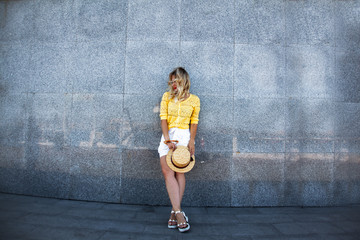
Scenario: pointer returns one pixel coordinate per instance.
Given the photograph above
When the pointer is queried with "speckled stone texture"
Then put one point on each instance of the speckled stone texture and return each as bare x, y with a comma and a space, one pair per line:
308, 179
81, 84
146, 66
155, 20
141, 178
258, 178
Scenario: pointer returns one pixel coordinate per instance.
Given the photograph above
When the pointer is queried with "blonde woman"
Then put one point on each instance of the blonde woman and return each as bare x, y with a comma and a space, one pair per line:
179, 114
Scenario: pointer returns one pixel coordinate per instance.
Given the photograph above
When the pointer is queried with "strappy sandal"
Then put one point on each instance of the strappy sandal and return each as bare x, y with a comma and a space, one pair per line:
181, 224
172, 221
186, 218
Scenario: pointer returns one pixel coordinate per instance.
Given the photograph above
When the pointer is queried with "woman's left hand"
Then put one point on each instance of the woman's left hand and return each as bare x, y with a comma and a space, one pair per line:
191, 147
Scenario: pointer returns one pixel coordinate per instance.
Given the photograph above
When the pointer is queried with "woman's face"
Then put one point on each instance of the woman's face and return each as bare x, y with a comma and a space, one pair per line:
173, 83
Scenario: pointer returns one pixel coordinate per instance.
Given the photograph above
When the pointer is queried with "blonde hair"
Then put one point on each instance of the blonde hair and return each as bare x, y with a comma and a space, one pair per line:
183, 80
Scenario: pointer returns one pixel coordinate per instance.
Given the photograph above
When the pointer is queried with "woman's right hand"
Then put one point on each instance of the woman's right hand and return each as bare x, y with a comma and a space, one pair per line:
171, 145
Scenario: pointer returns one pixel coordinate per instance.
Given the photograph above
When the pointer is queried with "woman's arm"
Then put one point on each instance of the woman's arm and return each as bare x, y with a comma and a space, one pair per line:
165, 131
191, 145
163, 117
194, 123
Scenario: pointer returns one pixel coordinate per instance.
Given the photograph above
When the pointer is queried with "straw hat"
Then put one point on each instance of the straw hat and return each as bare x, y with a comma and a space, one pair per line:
180, 160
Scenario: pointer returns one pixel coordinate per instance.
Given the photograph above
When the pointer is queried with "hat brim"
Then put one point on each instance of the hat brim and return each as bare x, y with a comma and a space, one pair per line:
177, 169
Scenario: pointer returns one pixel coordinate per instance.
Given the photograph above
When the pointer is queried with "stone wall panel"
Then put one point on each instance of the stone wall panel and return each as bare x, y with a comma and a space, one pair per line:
81, 84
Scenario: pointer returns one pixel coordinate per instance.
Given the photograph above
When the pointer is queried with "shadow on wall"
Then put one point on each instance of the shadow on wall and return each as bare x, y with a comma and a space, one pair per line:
44, 173
348, 71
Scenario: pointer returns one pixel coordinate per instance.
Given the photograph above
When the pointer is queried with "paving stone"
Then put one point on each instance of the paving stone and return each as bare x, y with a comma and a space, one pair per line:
232, 211
242, 229
307, 228
7, 215
43, 218
34, 208
289, 237
56, 233
99, 214
121, 235
339, 236
14, 230
349, 226
262, 218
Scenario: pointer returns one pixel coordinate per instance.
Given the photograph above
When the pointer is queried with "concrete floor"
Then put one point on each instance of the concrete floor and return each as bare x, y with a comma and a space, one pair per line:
24, 217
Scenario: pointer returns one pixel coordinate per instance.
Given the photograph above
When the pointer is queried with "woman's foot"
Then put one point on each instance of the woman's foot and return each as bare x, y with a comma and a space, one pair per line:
183, 224
172, 223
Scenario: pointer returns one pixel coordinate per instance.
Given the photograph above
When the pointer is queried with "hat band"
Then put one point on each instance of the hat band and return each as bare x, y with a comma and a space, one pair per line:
191, 159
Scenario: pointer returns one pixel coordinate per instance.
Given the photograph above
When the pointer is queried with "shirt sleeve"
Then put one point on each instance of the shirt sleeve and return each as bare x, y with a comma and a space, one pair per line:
195, 115
164, 106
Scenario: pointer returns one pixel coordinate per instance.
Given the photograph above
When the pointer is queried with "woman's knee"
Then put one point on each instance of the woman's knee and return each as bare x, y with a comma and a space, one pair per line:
168, 173
180, 175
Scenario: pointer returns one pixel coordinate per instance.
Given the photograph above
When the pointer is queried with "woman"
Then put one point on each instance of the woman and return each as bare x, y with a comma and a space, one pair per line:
178, 110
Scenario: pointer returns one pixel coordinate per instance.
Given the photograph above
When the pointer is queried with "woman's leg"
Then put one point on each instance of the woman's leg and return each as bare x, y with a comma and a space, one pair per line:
175, 186
180, 177
172, 185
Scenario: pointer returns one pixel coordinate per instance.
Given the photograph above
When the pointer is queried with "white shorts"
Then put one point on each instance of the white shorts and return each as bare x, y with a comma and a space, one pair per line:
182, 135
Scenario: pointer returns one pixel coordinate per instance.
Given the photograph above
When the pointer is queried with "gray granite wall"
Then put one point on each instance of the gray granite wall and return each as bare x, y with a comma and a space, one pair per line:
81, 82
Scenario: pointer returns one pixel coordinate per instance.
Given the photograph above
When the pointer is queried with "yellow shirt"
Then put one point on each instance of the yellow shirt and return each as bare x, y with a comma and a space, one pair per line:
179, 114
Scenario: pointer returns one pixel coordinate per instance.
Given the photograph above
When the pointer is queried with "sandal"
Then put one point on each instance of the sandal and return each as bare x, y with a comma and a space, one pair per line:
186, 223
186, 218
172, 223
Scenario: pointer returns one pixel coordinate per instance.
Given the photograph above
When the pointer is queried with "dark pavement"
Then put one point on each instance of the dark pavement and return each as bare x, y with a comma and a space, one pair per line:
23, 217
